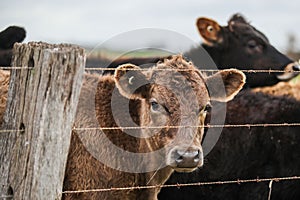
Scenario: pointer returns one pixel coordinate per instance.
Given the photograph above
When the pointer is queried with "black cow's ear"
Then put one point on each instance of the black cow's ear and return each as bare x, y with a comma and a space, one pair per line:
237, 18
131, 81
238, 22
11, 35
225, 84
210, 30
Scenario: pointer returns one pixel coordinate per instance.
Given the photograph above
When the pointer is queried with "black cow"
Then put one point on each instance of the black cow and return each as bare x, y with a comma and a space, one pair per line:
254, 152
240, 45
8, 37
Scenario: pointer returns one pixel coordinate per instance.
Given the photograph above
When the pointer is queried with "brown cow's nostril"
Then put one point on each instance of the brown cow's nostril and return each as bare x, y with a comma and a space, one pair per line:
179, 159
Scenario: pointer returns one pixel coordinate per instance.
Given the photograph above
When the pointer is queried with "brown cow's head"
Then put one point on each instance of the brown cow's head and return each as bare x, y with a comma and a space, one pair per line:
240, 45
175, 100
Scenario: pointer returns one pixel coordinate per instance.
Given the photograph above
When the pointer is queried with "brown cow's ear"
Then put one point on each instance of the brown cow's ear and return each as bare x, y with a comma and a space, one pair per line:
225, 84
210, 30
131, 81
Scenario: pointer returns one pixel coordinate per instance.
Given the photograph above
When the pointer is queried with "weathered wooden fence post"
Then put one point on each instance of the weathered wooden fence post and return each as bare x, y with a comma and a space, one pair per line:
42, 101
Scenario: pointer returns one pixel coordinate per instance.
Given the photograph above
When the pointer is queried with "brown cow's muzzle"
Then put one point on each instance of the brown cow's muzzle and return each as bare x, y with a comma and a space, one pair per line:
291, 70
186, 159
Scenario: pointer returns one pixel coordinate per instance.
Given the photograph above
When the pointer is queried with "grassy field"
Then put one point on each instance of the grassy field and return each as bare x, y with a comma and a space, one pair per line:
108, 53
296, 80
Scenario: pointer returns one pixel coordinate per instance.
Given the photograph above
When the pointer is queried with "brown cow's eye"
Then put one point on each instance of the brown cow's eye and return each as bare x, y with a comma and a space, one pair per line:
154, 106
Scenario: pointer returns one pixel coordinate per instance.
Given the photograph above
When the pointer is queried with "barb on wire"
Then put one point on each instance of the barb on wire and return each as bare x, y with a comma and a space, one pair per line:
257, 180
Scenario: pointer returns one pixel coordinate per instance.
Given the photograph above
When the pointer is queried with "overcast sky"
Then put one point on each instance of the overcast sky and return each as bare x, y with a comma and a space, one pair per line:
94, 21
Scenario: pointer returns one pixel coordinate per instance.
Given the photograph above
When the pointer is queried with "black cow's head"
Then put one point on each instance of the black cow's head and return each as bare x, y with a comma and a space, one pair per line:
8, 37
242, 46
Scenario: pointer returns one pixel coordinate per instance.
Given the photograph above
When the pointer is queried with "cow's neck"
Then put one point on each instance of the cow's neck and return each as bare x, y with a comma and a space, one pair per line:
215, 54
107, 117
154, 178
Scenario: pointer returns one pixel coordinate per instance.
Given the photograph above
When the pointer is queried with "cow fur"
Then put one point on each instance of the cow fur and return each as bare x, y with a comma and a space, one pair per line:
282, 90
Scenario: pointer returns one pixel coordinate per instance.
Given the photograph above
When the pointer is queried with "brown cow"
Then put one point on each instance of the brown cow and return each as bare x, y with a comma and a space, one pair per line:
157, 97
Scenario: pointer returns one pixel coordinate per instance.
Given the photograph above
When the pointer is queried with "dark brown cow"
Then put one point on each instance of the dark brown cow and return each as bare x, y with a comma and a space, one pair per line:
157, 98
8, 37
249, 153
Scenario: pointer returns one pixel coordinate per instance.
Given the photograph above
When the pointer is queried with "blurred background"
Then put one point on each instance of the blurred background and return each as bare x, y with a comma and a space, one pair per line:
92, 22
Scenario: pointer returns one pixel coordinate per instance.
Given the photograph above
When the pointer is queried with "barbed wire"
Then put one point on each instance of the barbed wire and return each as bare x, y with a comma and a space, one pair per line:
200, 126
172, 127
202, 70
238, 181
145, 69
11, 130
11, 67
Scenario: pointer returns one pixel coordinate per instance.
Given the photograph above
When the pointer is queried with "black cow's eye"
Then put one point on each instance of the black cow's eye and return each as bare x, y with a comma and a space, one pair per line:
252, 44
255, 47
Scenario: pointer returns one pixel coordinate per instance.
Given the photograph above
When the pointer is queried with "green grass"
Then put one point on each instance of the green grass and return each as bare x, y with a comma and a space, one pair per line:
296, 80
109, 53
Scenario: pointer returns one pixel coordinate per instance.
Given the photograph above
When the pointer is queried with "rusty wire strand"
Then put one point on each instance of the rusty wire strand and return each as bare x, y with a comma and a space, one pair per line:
201, 126
11, 130
144, 69
174, 127
257, 180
